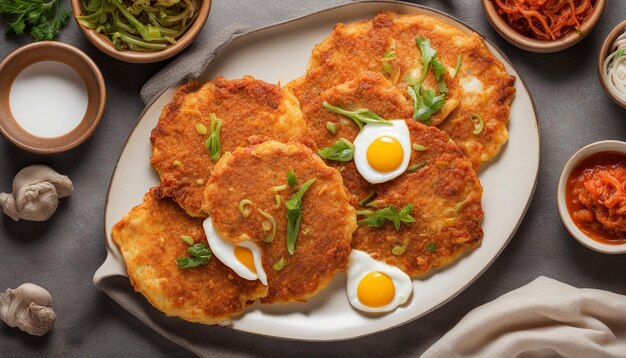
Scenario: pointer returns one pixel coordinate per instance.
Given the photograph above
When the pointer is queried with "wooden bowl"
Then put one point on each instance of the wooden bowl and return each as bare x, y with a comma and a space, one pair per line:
105, 45
534, 45
91, 76
604, 52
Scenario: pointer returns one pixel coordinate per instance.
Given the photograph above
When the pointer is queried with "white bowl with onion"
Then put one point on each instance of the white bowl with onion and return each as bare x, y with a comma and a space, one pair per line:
612, 64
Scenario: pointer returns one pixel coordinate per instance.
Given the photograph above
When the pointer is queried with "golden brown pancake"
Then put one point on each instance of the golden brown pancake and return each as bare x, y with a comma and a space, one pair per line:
446, 195
252, 111
368, 90
149, 237
361, 46
328, 220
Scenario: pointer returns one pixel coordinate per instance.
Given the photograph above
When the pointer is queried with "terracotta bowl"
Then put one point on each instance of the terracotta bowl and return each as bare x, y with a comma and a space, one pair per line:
579, 235
534, 45
106, 46
36, 52
604, 52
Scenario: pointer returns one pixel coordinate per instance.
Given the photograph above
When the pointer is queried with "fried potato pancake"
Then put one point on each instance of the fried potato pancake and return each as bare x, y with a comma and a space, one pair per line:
149, 237
328, 220
368, 90
251, 111
482, 85
446, 195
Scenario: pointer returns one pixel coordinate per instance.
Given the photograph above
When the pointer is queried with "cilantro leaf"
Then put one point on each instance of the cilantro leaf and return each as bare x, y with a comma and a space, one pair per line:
199, 255
390, 213
341, 151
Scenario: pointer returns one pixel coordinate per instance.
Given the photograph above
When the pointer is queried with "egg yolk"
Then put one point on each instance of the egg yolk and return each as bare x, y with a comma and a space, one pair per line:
385, 154
376, 290
244, 255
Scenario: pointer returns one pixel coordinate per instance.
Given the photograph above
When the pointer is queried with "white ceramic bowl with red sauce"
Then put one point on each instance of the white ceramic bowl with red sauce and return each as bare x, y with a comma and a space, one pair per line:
579, 235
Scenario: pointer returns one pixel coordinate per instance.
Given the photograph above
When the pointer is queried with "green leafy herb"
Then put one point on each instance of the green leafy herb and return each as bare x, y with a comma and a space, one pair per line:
279, 264
341, 151
415, 167
212, 143
399, 249
418, 147
431, 247
44, 18
270, 237
392, 214
360, 116
427, 102
367, 199
331, 127
294, 215
199, 254
479, 124
291, 178
459, 62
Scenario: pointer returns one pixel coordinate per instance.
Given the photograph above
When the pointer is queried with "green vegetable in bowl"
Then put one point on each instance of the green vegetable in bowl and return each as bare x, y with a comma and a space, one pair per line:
44, 18
139, 25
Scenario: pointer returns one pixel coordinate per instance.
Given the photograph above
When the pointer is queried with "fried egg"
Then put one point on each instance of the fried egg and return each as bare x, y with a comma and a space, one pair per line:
382, 152
244, 258
374, 286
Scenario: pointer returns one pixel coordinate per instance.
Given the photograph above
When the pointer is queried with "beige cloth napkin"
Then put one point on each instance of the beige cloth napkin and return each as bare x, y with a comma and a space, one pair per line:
545, 318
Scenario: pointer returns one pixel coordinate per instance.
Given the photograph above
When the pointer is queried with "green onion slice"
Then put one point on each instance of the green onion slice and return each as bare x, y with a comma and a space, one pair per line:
294, 215
272, 221
279, 264
245, 212
479, 124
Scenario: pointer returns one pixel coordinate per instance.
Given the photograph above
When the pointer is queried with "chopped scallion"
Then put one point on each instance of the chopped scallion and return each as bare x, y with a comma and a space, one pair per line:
245, 212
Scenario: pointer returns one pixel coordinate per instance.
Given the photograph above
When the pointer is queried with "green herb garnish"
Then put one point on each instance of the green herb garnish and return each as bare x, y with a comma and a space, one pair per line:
360, 116
331, 127
431, 247
415, 167
278, 199
291, 178
479, 124
294, 215
390, 213
245, 212
212, 143
400, 249
427, 102
342, 151
367, 199
199, 255
44, 18
272, 221
459, 62
187, 239
418, 147
279, 264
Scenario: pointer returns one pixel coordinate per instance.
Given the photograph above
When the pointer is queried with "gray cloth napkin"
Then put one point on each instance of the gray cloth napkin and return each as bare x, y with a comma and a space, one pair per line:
545, 318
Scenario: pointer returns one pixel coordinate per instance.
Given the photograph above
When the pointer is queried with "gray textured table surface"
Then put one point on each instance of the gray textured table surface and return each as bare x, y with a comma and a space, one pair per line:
63, 253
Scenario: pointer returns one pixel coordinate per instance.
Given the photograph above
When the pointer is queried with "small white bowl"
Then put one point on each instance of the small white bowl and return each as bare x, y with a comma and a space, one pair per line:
593, 148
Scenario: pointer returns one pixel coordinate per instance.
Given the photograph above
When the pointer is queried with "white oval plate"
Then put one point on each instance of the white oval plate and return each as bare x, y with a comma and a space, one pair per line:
280, 53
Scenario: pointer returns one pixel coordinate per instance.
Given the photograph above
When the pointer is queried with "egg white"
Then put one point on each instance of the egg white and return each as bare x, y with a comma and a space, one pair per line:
225, 252
360, 264
399, 131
